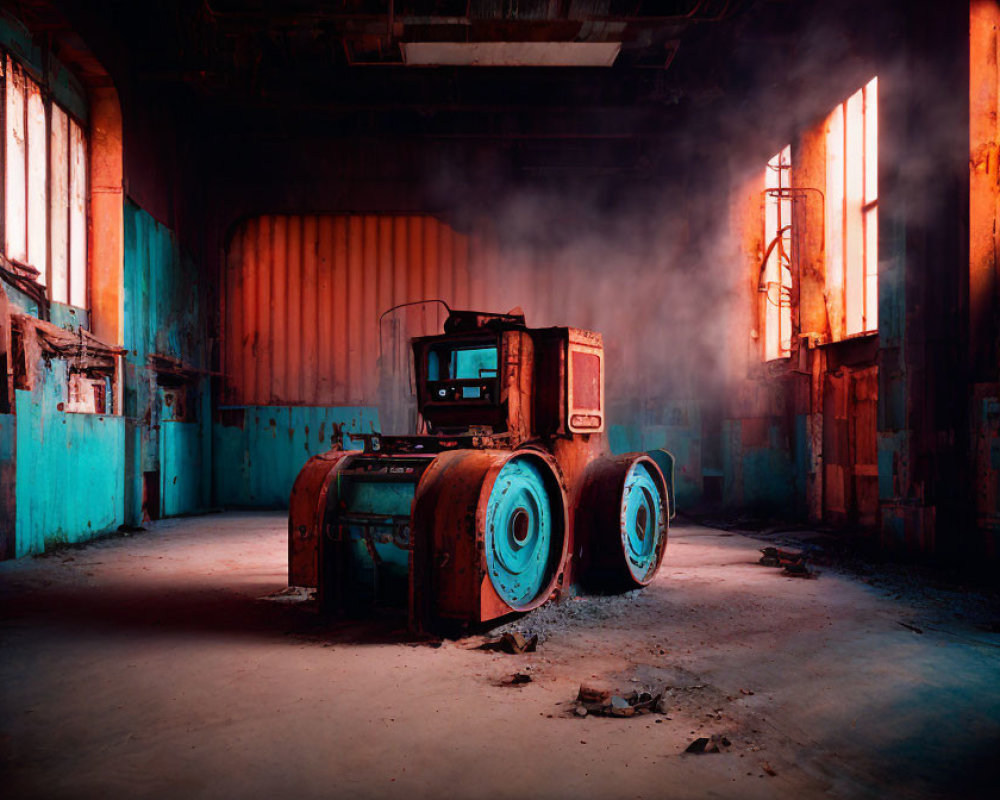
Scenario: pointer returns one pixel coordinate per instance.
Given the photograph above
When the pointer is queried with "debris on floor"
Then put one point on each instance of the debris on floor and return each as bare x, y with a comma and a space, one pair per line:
716, 743
799, 571
768, 768
517, 679
513, 643
794, 564
290, 594
910, 627
775, 557
603, 703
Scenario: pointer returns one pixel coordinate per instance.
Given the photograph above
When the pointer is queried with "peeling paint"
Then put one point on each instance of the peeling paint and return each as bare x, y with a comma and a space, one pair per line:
255, 467
166, 313
74, 457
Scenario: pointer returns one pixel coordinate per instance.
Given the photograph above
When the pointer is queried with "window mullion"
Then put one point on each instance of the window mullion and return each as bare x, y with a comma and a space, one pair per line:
24, 112
3, 150
69, 209
864, 214
48, 195
47, 106
844, 261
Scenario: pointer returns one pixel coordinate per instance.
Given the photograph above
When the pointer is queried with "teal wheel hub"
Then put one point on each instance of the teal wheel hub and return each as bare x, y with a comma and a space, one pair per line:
519, 532
643, 520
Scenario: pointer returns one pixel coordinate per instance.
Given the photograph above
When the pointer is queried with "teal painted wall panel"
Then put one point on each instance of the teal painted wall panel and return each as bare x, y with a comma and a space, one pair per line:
182, 479
801, 462
624, 438
8, 438
759, 478
682, 441
70, 470
892, 448
15, 37
166, 312
64, 85
165, 296
133, 476
768, 481
8, 484
21, 301
732, 463
79, 475
69, 317
685, 445
255, 464
185, 453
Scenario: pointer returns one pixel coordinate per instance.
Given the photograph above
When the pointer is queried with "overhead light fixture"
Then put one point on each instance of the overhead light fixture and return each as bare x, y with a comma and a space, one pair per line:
510, 54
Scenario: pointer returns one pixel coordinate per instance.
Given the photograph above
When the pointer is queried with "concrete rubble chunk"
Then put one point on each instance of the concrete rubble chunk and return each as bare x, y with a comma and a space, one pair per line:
590, 700
716, 743
511, 643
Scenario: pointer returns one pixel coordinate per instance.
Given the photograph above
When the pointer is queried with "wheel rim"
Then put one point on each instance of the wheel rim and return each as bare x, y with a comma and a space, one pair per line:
518, 532
642, 520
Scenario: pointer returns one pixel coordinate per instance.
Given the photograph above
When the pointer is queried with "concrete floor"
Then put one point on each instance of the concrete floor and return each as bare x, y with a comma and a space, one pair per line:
150, 666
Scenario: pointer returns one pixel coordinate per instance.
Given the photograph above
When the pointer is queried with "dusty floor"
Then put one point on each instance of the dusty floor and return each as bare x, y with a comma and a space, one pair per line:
150, 667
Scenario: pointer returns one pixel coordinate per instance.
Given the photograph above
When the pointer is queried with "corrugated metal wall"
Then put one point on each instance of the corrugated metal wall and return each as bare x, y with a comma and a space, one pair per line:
304, 295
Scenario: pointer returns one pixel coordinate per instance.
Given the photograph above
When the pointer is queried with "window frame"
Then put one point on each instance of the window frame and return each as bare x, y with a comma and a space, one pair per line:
777, 241
74, 279
851, 241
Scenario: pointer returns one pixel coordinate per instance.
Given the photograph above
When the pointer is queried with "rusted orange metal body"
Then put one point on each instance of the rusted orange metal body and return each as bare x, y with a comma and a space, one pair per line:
510, 498
306, 511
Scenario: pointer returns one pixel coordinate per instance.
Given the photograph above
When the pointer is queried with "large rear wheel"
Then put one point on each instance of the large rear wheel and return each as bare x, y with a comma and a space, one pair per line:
643, 521
519, 537
623, 518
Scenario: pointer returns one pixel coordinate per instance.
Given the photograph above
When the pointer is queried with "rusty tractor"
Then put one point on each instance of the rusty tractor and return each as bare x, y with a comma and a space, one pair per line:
510, 498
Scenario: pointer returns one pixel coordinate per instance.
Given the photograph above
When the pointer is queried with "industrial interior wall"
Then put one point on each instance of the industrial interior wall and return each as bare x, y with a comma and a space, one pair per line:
892, 432
759, 439
95, 463
304, 354
801, 425
77, 458
984, 280
167, 383
47, 452
304, 295
801, 428
926, 489
304, 348
144, 294
8, 486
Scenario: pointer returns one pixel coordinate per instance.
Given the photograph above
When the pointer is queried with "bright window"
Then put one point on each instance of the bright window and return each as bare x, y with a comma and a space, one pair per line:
44, 187
776, 278
852, 213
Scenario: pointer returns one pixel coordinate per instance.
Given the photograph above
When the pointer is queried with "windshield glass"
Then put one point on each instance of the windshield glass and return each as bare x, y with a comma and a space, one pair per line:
472, 364
463, 364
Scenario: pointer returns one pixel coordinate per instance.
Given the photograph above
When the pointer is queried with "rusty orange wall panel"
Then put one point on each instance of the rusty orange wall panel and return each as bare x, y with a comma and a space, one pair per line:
984, 185
107, 239
304, 294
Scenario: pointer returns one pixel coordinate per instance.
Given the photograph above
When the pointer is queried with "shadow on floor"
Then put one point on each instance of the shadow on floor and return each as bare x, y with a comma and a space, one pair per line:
118, 609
